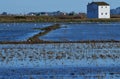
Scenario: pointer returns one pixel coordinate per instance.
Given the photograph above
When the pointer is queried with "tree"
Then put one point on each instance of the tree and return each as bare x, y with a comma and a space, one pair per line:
4, 13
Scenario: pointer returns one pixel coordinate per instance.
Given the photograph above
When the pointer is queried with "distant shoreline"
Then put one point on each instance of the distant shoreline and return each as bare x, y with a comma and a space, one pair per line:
64, 19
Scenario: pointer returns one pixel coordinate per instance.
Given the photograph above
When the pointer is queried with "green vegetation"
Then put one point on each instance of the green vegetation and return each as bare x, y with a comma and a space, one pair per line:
53, 19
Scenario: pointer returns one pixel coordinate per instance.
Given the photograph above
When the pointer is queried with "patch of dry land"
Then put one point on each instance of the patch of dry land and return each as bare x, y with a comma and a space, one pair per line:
60, 61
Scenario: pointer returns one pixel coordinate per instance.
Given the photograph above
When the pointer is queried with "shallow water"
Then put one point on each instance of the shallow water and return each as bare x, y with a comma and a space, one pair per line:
67, 32
19, 31
84, 32
77, 61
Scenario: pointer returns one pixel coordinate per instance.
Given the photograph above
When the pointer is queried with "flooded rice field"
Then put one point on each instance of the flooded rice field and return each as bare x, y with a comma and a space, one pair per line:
67, 32
19, 31
88, 60
84, 32
60, 61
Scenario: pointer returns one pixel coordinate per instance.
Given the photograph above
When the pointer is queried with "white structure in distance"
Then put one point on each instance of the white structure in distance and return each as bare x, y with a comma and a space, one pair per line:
98, 10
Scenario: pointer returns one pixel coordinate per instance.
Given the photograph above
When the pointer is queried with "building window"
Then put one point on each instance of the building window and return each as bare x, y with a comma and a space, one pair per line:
106, 7
105, 13
101, 13
102, 7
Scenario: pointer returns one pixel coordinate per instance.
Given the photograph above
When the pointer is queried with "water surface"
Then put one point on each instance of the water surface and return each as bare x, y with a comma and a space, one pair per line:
84, 32
19, 31
67, 32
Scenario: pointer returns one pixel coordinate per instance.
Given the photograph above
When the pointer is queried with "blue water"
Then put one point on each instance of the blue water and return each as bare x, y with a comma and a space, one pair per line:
85, 32
61, 73
19, 31
67, 32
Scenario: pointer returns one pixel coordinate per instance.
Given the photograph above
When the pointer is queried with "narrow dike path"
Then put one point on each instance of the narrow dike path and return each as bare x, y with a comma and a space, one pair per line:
35, 38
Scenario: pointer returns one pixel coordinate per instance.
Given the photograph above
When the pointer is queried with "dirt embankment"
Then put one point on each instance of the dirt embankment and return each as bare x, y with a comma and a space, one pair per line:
35, 38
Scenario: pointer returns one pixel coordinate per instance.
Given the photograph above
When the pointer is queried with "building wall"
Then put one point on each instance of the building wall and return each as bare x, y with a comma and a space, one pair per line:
95, 11
92, 11
104, 12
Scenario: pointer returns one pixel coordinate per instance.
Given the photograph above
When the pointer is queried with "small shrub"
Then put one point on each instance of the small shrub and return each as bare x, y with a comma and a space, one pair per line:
102, 56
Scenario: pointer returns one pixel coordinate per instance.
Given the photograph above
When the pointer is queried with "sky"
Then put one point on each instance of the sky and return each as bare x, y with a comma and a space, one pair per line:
26, 6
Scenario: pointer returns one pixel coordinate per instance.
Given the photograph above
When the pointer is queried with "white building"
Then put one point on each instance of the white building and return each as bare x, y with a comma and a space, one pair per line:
98, 10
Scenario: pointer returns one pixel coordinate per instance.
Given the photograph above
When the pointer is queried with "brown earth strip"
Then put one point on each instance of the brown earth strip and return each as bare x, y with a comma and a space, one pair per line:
11, 19
51, 42
35, 38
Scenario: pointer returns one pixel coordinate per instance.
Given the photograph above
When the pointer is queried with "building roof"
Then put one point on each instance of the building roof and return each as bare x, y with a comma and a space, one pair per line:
100, 3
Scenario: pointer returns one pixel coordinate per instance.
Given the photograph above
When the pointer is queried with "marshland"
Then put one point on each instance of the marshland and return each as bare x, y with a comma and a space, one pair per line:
60, 50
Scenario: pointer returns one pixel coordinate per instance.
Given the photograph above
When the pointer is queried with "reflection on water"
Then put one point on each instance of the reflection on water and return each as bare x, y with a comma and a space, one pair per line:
67, 32
84, 32
19, 31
